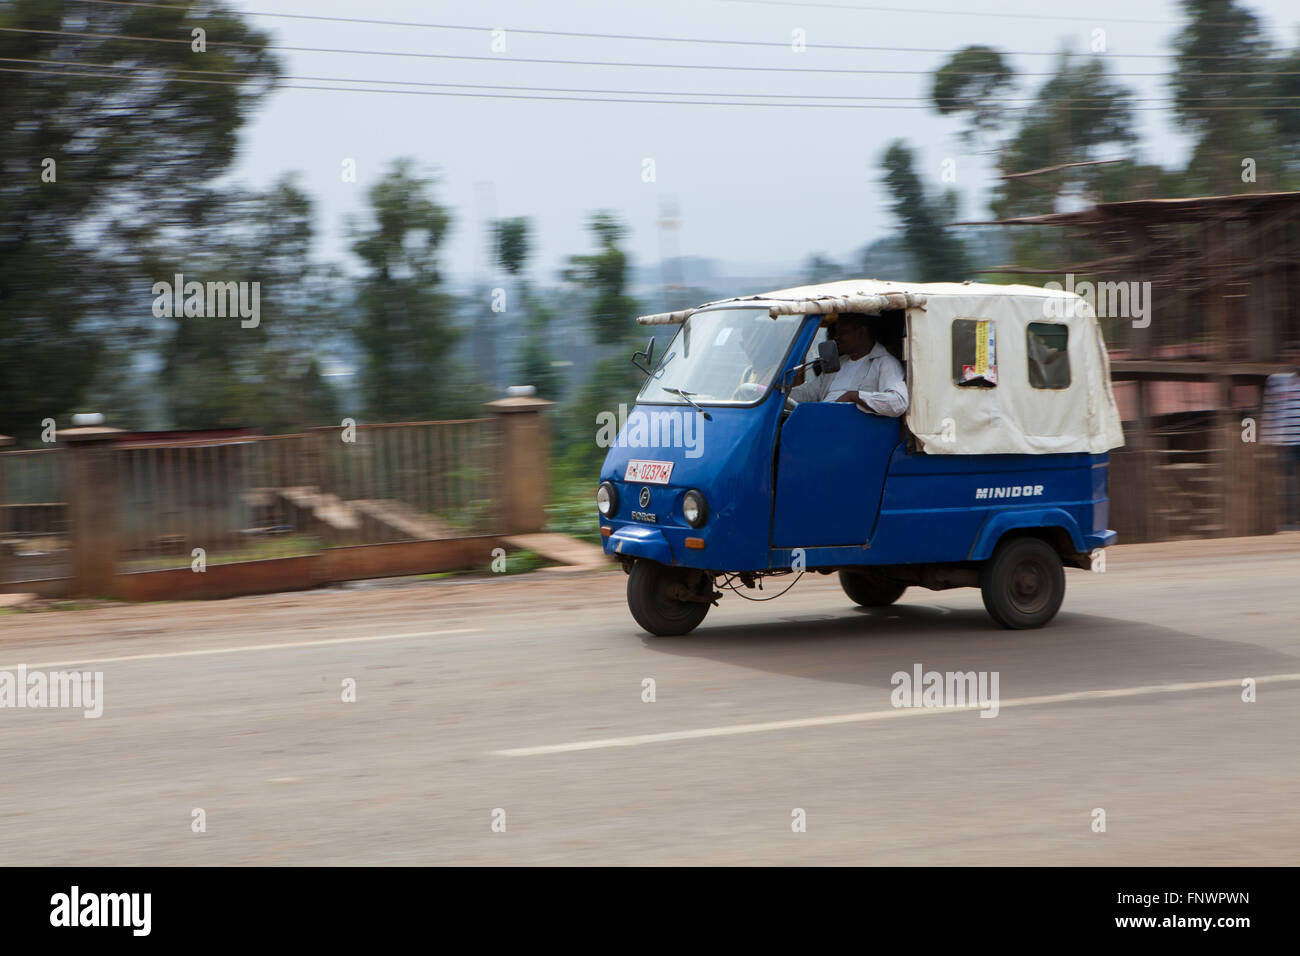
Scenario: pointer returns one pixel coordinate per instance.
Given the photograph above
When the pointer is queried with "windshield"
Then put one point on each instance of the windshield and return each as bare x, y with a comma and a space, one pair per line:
728, 355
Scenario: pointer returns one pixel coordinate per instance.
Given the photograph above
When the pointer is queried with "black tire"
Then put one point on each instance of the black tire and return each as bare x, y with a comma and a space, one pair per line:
654, 608
1023, 584
870, 590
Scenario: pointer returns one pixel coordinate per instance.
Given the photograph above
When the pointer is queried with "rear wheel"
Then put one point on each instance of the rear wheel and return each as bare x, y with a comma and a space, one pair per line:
656, 597
870, 590
1023, 584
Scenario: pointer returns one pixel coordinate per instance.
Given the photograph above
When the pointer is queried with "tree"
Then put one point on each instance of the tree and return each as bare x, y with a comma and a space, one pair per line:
403, 315
1221, 52
514, 247
937, 254
603, 275
819, 268
1222, 90
536, 364
215, 371
1078, 115
92, 167
512, 244
971, 82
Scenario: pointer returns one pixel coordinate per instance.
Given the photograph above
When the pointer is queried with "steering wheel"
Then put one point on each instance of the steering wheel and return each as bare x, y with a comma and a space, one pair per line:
749, 392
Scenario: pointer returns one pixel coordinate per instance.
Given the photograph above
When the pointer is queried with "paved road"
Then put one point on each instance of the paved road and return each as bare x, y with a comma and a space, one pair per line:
235, 707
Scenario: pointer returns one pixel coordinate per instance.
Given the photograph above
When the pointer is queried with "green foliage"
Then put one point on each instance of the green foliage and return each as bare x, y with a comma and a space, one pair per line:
572, 508
128, 153
1227, 93
1078, 113
603, 275
536, 362
613, 381
819, 268
937, 254
971, 82
512, 244
403, 320
216, 373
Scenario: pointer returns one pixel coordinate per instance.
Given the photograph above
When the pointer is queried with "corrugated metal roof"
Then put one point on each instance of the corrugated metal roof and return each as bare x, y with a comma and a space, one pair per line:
1187, 208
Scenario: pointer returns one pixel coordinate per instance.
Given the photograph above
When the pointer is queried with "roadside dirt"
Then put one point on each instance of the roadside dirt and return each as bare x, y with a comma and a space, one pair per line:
392, 602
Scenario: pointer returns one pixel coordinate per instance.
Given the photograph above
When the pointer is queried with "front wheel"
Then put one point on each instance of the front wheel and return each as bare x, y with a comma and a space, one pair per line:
655, 596
869, 590
1023, 584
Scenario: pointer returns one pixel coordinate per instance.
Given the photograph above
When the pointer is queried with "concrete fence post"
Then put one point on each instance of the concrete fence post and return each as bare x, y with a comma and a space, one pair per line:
93, 504
525, 462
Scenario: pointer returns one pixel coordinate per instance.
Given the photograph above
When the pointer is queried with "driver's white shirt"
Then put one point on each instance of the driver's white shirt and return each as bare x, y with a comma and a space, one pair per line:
877, 377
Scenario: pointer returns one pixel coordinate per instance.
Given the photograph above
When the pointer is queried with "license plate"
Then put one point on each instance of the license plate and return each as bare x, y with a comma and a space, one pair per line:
649, 472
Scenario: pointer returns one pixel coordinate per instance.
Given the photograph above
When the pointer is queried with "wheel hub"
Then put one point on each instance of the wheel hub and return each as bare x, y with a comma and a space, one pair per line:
1029, 586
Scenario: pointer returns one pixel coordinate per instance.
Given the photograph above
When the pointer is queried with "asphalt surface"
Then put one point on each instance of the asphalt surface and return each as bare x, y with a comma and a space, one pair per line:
524, 694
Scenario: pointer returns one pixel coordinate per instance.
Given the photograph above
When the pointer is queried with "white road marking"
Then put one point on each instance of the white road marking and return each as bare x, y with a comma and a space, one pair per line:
863, 716
246, 647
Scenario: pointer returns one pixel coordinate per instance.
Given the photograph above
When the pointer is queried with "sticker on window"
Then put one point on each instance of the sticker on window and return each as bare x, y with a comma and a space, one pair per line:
974, 353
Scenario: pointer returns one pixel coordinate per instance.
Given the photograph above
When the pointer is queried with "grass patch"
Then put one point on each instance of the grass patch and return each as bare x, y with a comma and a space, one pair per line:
279, 546
572, 508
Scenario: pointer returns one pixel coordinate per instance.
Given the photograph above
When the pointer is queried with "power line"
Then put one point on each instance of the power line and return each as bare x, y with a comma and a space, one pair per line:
600, 97
658, 66
782, 44
876, 8
1028, 101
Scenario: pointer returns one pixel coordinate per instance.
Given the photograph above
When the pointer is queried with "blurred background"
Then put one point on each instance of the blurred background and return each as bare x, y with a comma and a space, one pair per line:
422, 239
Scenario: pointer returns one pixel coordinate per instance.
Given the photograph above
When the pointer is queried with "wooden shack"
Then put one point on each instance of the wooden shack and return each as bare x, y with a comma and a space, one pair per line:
1222, 313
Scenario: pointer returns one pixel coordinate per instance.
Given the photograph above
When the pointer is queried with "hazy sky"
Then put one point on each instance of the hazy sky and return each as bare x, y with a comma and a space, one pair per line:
753, 184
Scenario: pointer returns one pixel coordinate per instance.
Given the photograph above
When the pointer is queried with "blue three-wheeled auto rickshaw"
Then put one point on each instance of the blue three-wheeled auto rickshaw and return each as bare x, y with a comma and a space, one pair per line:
995, 476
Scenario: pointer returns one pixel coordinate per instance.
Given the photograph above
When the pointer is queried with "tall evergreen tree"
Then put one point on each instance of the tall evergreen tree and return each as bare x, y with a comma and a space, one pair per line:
404, 316
94, 168
936, 252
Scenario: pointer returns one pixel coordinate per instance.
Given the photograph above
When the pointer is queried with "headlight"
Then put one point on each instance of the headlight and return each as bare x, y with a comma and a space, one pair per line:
694, 509
607, 498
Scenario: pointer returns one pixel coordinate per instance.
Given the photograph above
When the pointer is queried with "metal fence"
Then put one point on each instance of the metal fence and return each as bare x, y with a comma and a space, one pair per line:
287, 495
33, 516
252, 498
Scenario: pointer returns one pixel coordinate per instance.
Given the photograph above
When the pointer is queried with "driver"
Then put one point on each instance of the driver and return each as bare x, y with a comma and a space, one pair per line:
869, 376
755, 339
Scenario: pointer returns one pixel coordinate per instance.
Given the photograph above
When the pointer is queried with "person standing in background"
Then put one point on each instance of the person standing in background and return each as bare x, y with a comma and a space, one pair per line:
1280, 426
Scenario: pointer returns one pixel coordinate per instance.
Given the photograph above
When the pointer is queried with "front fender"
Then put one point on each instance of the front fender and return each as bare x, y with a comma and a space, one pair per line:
999, 524
637, 541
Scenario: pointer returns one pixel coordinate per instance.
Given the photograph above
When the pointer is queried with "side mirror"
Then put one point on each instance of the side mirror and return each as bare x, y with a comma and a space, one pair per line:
648, 355
828, 354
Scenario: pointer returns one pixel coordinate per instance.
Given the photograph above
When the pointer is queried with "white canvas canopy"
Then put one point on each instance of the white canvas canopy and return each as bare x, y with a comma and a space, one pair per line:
1017, 397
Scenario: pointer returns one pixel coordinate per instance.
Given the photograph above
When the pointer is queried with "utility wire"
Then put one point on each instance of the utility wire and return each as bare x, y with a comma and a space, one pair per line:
874, 8
782, 44
1027, 101
615, 63
599, 98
